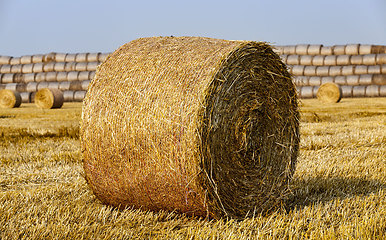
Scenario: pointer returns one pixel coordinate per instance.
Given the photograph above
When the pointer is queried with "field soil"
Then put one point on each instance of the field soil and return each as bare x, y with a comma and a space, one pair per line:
338, 190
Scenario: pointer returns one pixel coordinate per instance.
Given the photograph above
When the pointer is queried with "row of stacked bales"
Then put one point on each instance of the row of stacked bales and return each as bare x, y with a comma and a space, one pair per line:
70, 73
360, 70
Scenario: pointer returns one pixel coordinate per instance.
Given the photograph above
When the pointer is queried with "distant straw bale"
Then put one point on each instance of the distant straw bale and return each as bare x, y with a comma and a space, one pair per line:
48, 98
329, 93
9, 99
201, 126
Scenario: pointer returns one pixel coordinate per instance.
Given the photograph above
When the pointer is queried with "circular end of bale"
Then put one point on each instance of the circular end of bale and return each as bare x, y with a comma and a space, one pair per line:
329, 93
48, 98
9, 99
201, 126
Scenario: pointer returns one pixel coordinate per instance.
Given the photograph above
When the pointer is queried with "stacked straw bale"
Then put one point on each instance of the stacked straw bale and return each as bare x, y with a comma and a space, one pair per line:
43, 70
202, 126
360, 70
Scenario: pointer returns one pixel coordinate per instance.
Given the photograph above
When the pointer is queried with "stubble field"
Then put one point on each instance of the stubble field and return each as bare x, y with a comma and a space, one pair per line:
338, 191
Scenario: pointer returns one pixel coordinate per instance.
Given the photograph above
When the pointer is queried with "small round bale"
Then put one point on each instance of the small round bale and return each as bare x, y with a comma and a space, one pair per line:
329, 93
48, 98
200, 126
9, 99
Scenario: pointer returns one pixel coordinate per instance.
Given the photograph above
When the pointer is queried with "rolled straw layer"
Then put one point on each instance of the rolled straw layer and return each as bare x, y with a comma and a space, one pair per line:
202, 126
9, 98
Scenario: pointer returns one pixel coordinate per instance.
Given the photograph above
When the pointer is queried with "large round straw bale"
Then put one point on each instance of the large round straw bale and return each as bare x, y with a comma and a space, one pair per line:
301, 80
49, 98
51, 76
5, 59
68, 96
329, 93
49, 66
76, 85
54, 85
9, 99
372, 91
59, 66
202, 126
383, 69
84, 76
382, 91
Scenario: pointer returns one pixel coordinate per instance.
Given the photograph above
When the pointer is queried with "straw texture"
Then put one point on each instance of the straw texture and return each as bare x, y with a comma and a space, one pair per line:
329, 93
201, 126
9, 99
49, 98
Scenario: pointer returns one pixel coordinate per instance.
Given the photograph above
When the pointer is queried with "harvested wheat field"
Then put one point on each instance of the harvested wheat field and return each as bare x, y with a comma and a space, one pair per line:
338, 188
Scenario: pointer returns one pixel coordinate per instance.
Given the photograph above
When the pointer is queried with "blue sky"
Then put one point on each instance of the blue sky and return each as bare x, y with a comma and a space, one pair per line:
42, 26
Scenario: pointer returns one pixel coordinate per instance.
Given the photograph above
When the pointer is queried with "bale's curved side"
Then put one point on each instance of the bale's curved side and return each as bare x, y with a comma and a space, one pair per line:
202, 126
48, 98
9, 99
329, 93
